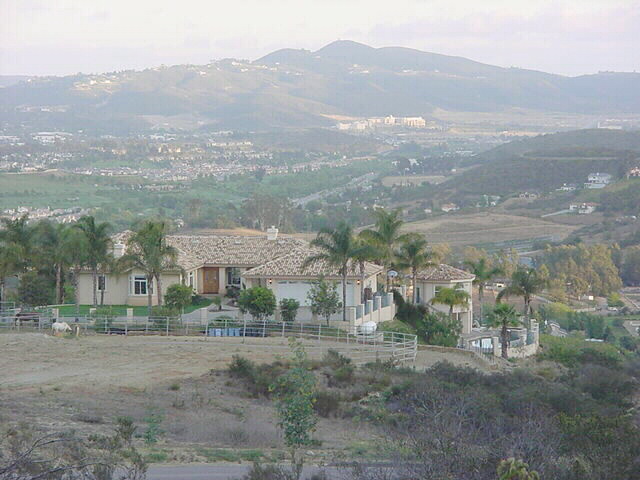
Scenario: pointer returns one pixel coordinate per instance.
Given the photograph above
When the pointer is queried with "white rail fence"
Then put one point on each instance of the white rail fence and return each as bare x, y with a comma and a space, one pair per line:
361, 346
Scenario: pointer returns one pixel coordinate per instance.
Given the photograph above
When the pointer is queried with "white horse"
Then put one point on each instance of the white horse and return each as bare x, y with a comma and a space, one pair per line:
60, 328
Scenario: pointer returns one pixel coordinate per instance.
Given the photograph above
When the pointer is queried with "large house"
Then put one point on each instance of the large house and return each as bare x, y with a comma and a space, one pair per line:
212, 264
598, 180
432, 279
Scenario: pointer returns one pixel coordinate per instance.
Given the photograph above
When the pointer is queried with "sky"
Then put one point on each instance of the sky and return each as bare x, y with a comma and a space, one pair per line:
570, 37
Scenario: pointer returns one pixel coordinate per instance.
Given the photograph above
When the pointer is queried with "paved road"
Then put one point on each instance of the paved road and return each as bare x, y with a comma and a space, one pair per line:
211, 472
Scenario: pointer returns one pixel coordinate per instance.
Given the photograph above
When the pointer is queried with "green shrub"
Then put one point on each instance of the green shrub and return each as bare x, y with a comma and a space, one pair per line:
259, 302
289, 309
178, 296
241, 367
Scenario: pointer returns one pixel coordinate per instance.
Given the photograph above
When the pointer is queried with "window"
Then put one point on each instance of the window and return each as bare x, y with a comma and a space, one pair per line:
191, 279
102, 283
437, 289
233, 276
418, 294
138, 285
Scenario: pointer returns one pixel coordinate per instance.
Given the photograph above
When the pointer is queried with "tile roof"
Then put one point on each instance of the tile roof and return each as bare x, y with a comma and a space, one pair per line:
444, 273
233, 250
290, 265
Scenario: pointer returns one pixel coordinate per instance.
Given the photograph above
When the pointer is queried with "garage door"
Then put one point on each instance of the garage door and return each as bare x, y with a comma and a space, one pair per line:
296, 290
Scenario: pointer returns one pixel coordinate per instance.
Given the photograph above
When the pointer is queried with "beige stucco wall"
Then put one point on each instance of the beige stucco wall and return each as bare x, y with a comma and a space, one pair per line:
428, 291
117, 289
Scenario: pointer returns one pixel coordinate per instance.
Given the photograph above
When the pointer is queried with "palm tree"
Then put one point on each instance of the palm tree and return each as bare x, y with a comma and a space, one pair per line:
98, 244
413, 256
452, 297
148, 251
525, 282
386, 235
17, 235
503, 316
483, 273
366, 251
337, 247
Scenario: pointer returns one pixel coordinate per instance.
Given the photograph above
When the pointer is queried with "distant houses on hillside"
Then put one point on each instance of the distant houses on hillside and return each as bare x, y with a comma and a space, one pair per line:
584, 208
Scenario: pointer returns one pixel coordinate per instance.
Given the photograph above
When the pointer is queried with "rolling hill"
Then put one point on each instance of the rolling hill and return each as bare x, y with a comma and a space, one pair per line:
302, 88
544, 163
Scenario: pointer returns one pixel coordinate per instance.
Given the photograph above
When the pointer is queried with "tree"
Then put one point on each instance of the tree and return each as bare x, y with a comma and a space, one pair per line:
386, 235
436, 328
452, 297
295, 396
10, 261
260, 302
35, 289
513, 469
525, 282
148, 251
483, 273
17, 232
503, 316
324, 300
289, 309
413, 256
178, 296
98, 243
366, 251
337, 247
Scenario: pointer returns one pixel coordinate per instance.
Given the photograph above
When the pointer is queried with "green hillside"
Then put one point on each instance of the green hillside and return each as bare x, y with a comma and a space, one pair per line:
546, 162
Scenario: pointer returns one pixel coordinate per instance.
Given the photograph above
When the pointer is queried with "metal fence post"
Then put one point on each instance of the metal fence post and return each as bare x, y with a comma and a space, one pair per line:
244, 329
167, 322
283, 323
319, 331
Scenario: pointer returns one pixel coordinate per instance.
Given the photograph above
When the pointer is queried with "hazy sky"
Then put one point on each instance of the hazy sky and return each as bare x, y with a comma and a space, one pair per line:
68, 36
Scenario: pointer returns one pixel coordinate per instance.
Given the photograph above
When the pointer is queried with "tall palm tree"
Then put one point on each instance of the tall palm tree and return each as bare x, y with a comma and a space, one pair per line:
365, 251
413, 256
483, 273
18, 234
98, 243
452, 297
337, 247
503, 316
386, 235
525, 282
148, 251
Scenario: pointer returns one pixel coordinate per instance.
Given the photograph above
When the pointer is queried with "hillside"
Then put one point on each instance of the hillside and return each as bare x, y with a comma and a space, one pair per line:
544, 163
300, 88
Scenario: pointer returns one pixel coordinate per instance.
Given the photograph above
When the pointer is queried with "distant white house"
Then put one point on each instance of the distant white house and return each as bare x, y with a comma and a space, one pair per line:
568, 187
449, 207
634, 172
598, 180
584, 208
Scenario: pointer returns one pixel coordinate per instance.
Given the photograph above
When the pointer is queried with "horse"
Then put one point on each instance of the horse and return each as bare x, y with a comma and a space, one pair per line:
60, 328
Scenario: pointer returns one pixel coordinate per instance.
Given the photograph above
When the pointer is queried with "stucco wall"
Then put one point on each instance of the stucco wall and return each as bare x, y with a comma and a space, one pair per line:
117, 289
428, 291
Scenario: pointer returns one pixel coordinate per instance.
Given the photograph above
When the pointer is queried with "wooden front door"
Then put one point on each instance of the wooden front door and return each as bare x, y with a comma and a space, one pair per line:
211, 280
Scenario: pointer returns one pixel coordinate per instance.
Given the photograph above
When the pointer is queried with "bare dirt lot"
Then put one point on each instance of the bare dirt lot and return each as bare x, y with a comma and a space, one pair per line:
472, 229
57, 384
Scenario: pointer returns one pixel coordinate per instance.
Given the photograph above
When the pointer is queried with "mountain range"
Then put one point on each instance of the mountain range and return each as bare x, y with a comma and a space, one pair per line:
302, 88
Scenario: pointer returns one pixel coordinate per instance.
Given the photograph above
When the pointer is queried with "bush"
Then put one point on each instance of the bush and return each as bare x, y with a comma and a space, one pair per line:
289, 309
260, 302
241, 367
572, 351
628, 343
178, 296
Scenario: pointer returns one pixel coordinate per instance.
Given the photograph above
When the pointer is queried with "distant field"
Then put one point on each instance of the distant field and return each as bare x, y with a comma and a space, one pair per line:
486, 228
413, 179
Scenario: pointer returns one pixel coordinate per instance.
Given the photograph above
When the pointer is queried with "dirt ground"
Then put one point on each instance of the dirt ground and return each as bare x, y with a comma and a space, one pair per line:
84, 384
468, 229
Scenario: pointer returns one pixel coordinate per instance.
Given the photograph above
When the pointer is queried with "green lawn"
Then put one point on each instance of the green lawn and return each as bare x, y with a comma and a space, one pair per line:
121, 310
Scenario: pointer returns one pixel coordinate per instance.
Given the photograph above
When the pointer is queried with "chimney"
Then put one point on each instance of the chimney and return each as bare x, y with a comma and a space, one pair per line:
272, 233
118, 249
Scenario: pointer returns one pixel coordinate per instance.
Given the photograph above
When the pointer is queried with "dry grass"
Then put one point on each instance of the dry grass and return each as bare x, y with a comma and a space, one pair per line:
471, 229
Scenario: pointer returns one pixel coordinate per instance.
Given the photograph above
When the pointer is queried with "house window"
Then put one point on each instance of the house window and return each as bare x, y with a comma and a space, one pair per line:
191, 279
233, 276
138, 285
102, 283
437, 289
418, 294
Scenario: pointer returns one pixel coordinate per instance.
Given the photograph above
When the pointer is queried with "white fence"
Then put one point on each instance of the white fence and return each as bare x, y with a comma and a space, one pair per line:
361, 346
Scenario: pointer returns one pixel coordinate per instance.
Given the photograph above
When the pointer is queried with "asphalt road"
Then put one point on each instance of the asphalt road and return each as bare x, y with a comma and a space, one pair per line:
211, 472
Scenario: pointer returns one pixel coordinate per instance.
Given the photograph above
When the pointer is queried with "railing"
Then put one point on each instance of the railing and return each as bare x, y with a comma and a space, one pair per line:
361, 347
